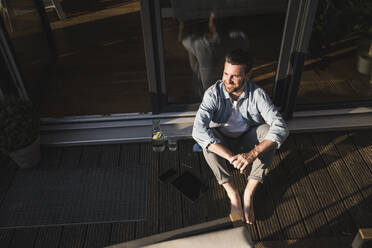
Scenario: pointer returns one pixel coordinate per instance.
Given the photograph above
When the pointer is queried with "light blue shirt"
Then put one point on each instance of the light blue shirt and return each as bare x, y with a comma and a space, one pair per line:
254, 105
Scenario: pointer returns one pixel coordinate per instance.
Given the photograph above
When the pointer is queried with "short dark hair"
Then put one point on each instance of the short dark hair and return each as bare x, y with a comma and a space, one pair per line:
240, 57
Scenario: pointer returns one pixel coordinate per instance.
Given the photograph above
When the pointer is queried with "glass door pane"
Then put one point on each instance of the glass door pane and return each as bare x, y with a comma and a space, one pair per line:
338, 68
101, 66
197, 34
30, 43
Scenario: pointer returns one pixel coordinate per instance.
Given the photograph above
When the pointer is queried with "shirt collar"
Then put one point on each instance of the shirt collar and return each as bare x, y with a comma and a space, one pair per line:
242, 96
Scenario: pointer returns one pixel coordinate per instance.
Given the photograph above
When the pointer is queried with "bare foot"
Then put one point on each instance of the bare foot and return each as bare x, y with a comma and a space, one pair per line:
236, 206
248, 200
248, 209
236, 202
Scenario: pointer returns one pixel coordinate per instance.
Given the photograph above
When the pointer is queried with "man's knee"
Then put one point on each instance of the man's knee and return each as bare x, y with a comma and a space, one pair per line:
259, 171
260, 179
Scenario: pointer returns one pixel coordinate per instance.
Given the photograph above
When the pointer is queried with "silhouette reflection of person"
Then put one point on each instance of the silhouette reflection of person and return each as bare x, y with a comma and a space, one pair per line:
207, 52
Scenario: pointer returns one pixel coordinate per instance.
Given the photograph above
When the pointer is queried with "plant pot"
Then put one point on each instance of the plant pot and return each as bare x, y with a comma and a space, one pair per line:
364, 64
28, 156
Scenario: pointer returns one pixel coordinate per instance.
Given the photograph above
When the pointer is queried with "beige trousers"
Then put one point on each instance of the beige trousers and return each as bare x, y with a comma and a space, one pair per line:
246, 142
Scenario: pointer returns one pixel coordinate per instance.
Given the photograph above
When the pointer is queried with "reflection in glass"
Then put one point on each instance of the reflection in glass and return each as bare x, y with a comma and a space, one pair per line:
101, 66
338, 68
198, 34
207, 51
29, 41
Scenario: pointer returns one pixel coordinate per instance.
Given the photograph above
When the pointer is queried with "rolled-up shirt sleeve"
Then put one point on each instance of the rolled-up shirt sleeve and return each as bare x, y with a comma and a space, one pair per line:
201, 131
278, 131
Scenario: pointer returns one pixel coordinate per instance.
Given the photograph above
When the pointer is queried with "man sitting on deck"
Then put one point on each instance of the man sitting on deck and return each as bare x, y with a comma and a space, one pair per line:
237, 122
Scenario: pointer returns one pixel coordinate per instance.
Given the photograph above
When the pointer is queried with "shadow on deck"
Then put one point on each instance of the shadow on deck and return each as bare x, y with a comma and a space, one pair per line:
318, 187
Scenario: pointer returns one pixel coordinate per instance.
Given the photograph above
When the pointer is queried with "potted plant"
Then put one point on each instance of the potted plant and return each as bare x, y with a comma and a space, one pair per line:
341, 24
365, 51
362, 25
19, 131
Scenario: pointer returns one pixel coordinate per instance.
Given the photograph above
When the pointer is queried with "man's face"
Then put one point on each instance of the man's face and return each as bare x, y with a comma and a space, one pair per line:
234, 77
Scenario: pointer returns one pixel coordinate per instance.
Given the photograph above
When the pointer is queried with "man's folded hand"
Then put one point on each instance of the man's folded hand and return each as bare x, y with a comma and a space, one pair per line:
242, 160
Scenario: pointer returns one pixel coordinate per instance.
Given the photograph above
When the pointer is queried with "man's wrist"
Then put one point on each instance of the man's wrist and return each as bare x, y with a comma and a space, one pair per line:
230, 157
255, 152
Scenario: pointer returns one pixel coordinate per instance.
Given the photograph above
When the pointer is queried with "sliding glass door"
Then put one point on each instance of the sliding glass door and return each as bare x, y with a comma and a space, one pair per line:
159, 56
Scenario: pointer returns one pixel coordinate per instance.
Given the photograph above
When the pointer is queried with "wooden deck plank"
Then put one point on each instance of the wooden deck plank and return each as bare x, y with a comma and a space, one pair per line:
147, 156
170, 207
50, 157
110, 156
130, 153
121, 231
71, 156
7, 170
311, 211
267, 221
24, 237
49, 236
192, 213
345, 185
284, 199
29, 237
364, 144
326, 178
150, 159
91, 156
6, 237
369, 133
74, 235
356, 165
98, 235
336, 213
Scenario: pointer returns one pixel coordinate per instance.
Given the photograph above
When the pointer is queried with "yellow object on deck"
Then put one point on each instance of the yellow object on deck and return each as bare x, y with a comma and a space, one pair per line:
157, 135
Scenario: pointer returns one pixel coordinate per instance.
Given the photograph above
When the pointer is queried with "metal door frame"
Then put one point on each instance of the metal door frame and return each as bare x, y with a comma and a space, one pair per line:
8, 52
296, 37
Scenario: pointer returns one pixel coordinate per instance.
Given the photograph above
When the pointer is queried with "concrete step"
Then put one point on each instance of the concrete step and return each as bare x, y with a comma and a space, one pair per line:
328, 242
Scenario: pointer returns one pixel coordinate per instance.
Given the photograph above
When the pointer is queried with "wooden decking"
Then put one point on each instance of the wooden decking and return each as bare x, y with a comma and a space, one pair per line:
319, 186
